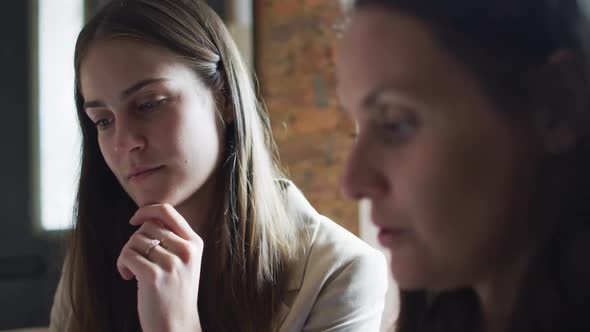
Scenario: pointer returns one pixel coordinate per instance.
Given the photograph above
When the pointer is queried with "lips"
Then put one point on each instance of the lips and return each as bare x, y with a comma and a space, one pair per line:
139, 173
389, 235
391, 238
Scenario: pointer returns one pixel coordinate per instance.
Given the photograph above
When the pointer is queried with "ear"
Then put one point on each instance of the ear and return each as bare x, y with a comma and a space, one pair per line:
562, 101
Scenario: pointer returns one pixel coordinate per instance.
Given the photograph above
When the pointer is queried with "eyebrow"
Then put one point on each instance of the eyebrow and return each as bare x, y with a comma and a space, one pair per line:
372, 99
127, 92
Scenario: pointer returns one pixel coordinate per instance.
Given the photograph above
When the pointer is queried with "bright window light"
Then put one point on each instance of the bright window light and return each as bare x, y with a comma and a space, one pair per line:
60, 22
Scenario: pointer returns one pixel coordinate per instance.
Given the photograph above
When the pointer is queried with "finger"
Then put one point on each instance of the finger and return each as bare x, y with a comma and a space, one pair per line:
169, 241
162, 257
132, 263
125, 272
167, 216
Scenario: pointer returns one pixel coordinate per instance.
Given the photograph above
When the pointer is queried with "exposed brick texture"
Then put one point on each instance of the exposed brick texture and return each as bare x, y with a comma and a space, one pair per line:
294, 46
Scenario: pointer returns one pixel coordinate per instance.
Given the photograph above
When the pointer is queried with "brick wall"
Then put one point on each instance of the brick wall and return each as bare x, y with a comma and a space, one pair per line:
295, 64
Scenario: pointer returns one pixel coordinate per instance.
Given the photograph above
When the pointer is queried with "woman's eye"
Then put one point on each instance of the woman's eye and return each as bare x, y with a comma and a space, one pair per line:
402, 127
102, 124
151, 105
394, 132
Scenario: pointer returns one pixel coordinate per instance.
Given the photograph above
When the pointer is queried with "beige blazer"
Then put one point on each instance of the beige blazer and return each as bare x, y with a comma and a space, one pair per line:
337, 283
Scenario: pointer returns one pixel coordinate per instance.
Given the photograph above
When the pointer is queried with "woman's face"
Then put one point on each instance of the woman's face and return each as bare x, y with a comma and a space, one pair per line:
157, 125
447, 173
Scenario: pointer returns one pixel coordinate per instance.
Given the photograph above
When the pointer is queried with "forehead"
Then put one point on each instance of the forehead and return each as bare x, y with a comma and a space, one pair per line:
118, 63
382, 47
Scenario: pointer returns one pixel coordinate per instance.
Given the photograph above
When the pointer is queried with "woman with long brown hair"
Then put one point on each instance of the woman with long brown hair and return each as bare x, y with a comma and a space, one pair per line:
183, 221
473, 147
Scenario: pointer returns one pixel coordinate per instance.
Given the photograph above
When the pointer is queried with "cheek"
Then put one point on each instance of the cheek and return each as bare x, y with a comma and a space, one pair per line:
453, 190
199, 140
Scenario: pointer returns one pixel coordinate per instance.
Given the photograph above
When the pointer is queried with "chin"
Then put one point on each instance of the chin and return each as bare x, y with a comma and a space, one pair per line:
409, 284
409, 276
413, 280
144, 200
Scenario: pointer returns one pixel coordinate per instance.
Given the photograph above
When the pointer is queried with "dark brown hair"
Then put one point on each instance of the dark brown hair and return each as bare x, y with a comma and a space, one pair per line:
505, 42
253, 240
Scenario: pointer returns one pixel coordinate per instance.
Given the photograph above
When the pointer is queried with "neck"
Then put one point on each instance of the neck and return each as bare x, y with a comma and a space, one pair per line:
199, 209
498, 296
500, 292
500, 289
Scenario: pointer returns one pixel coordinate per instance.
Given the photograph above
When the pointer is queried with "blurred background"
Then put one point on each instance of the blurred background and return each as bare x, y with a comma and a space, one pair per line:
289, 45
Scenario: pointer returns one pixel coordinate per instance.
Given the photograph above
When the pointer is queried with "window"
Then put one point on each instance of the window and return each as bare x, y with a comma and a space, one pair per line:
58, 135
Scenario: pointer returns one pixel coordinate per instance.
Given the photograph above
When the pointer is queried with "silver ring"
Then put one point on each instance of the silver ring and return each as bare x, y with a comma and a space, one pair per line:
153, 243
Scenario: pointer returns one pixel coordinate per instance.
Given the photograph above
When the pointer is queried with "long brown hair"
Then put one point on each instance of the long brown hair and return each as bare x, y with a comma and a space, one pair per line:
504, 42
254, 240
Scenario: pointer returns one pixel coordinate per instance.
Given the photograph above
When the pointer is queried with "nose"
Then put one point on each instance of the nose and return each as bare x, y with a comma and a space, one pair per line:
128, 136
363, 176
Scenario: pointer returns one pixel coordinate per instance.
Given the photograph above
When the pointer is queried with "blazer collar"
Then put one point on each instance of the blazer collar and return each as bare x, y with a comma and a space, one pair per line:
306, 219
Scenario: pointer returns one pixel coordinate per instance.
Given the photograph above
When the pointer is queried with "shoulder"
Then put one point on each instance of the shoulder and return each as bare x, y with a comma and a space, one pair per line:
337, 281
336, 246
329, 251
339, 258
326, 246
